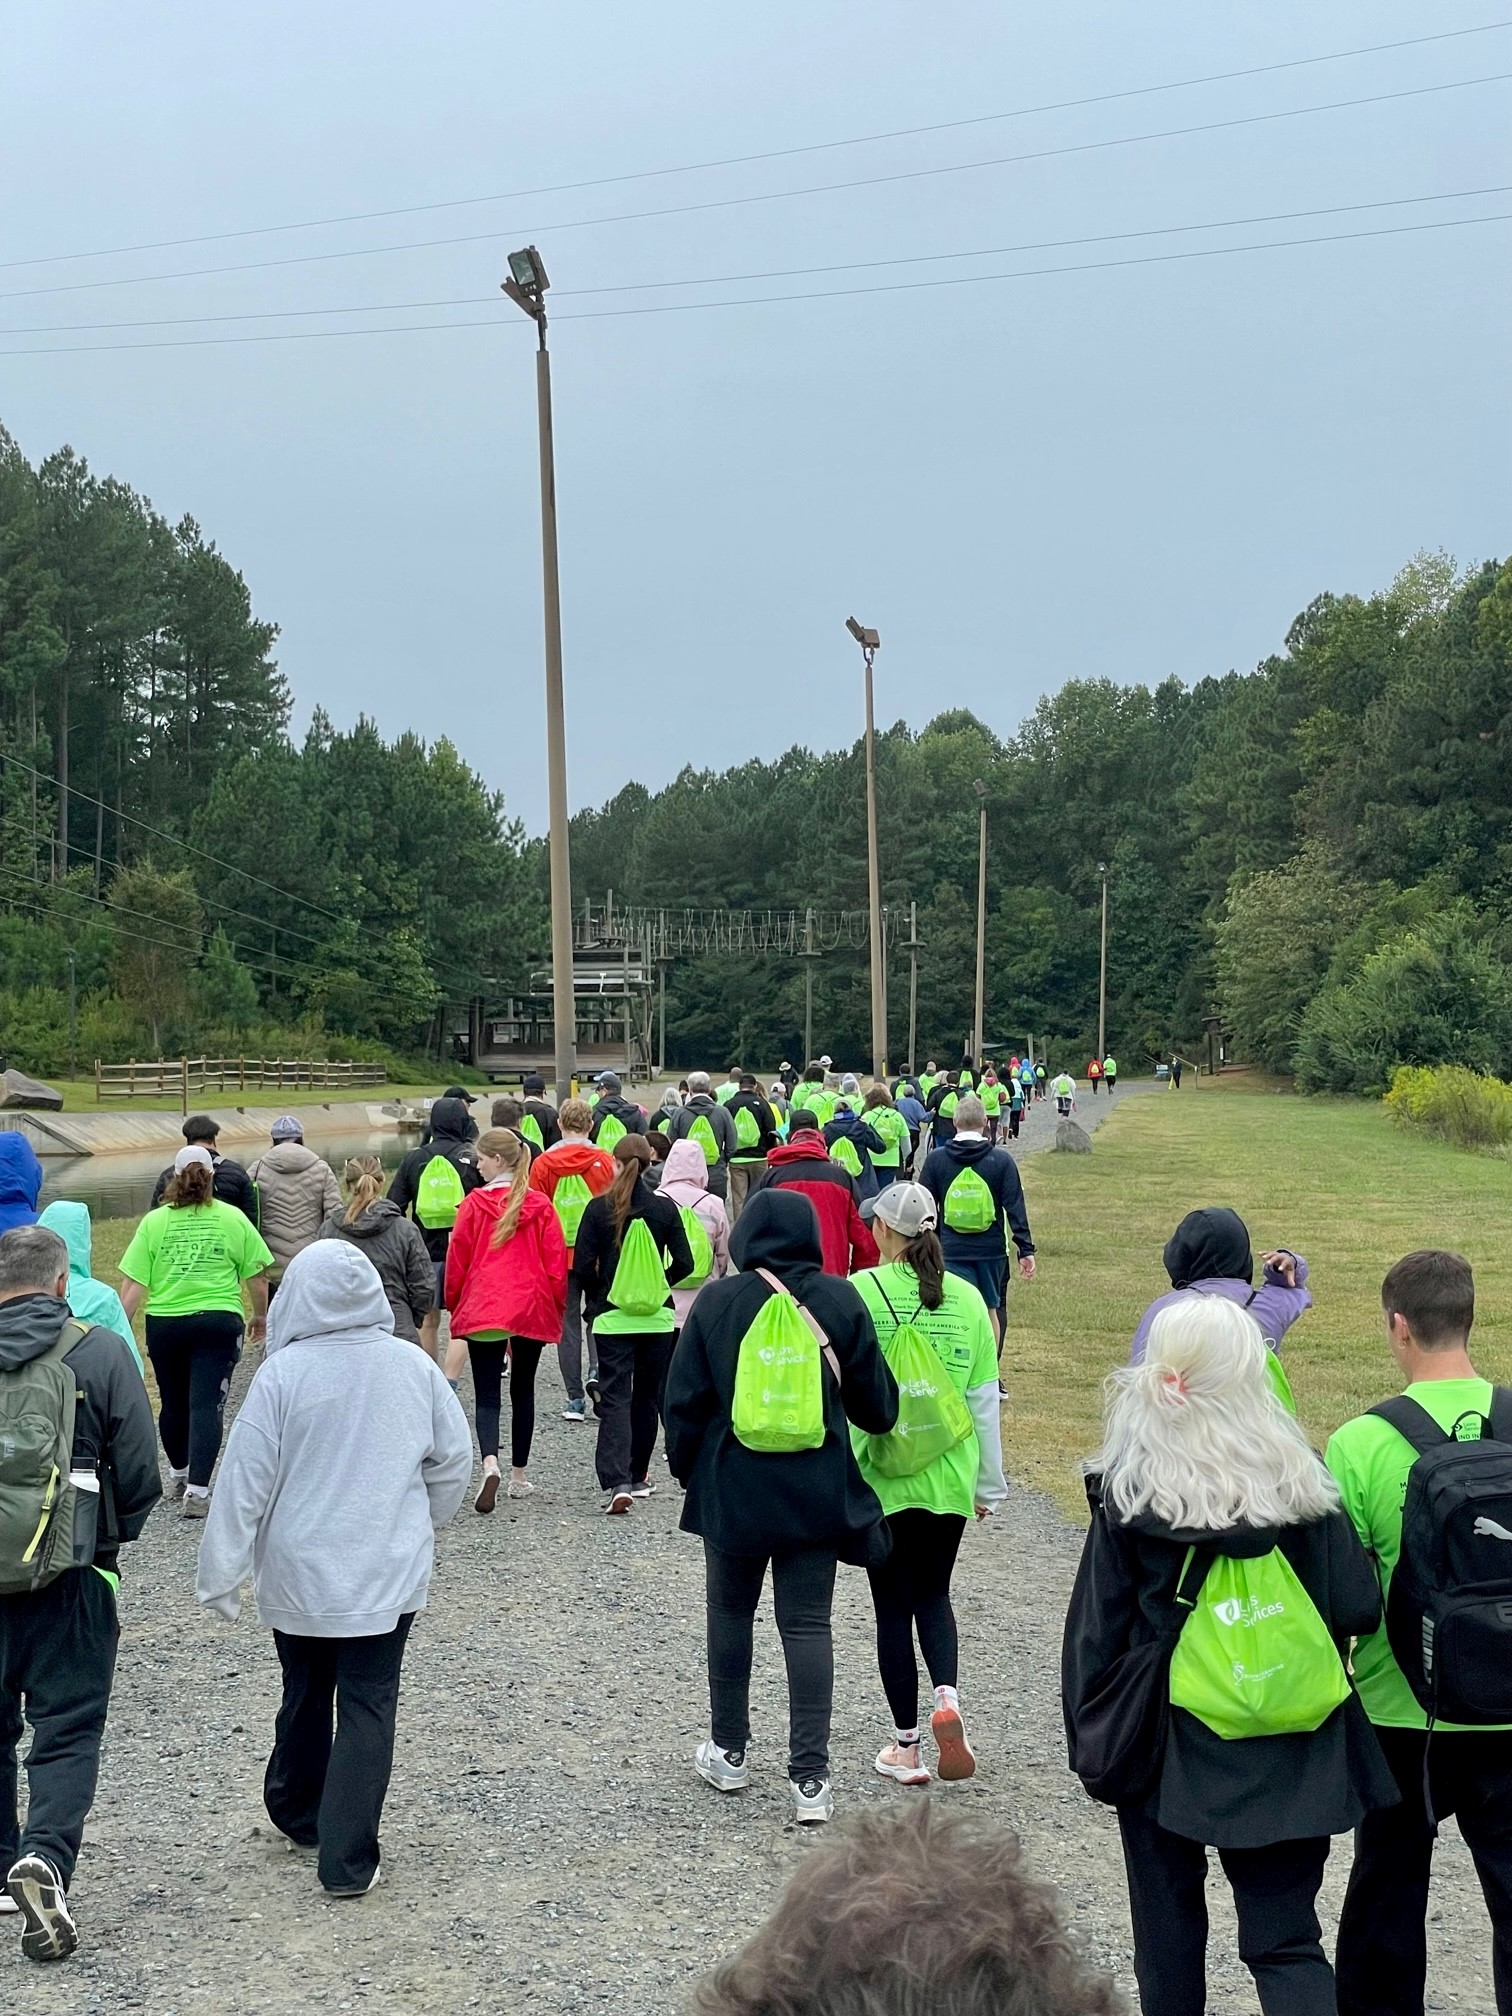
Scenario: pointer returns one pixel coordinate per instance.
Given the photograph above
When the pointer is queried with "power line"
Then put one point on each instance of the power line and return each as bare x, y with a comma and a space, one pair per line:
770, 154
770, 196
210, 902
776, 273
746, 301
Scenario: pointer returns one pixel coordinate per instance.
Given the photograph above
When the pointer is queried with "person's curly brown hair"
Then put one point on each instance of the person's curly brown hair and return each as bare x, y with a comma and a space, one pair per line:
899, 1915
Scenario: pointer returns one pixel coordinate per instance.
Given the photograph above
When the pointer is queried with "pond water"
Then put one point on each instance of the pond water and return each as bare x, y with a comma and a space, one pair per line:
120, 1186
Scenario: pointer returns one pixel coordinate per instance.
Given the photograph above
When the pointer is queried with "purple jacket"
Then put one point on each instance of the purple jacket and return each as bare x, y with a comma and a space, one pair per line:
1274, 1306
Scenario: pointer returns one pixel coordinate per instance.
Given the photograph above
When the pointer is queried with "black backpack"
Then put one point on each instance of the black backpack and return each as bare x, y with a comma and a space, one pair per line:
1449, 1613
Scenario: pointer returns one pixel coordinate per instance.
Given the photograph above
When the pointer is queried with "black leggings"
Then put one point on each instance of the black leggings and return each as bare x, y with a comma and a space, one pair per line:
486, 1356
803, 1594
912, 1589
193, 1358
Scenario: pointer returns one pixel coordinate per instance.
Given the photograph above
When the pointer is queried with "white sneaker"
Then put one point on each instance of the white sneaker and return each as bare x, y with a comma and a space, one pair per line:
893, 1763
725, 1770
36, 1889
813, 1801
9, 1908
521, 1487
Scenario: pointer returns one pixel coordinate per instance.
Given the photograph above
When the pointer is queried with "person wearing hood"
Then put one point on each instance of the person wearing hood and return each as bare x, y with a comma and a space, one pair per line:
394, 1245
232, 1183
846, 1124
612, 1103
58, 1641
799, 1513
20, 1181
701, 1105
749, 1158
802, 1163
633, 1346
1201, 1466
451, 1137
979, 1253
942, 1103
1209, 1254
296, 1192
685, 1183
337, 1532
188, 1261
93, 1302
506, 1288
575, 1156
540, 1109
463, 1098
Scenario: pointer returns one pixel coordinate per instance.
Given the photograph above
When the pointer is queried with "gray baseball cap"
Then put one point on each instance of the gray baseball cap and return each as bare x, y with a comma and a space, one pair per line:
908, 1208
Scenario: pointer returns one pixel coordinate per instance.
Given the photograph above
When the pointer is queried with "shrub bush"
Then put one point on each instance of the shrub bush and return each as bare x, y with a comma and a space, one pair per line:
1466, 1107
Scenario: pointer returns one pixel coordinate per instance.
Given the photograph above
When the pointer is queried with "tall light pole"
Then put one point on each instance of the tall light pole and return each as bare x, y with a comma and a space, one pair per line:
1102, 975
870, 644
526, 287
978, 1033
913, 948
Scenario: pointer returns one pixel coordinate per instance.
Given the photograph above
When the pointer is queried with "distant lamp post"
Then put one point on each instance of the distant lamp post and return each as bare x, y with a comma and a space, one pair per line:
870, 644
978, 1031
1102, 980
526, 287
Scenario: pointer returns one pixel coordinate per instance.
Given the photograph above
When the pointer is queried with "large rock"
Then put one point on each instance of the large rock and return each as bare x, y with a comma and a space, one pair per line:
1071, 1139
16, 1089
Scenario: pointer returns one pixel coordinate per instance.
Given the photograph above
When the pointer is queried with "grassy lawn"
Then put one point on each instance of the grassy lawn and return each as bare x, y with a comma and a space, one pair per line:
1334, 1179
79, 1096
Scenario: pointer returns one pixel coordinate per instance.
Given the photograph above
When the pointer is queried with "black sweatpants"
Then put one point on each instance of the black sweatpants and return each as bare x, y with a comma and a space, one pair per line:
1382, 1950
803, 1595
193, 1358
329, 1793
1275, 1896
911, 1590
486, 1356
632, 1378
57, 1660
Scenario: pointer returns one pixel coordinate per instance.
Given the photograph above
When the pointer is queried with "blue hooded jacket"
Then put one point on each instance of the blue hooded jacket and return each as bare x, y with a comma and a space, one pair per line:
20, 1182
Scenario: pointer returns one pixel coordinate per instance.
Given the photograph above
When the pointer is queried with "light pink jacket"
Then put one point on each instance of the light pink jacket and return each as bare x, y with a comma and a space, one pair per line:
685, 1180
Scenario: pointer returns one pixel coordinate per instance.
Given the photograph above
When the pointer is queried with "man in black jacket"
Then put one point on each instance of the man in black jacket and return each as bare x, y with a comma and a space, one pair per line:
451, 1136
232, 1184
701, 1104
748, 1163
540, 1109
58, 1643
611, 1100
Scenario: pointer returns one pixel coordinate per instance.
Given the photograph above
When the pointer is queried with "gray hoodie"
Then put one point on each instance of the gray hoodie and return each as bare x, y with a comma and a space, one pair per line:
349, 1451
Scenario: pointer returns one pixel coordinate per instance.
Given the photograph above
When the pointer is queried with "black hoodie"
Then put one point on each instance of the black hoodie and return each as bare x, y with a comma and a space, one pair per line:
450, 1123
114, 1436
1211, 1245
741, 1500
1262, 1789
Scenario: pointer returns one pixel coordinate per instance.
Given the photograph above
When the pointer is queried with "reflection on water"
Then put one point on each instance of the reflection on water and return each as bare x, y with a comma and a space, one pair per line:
120, 1186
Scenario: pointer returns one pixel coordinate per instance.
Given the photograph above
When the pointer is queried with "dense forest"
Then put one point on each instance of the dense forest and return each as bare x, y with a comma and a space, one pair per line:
1319, 849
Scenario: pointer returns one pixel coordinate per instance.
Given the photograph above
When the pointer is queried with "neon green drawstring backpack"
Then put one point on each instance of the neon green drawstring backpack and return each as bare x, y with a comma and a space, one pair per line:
571, 1199
613, 1129
438, 1194
703, 1134
638, 1292
932, 1416
1254, 1657
969, 1203
778, 1407
530, 1128
844, 1152
747, 1128
699, 1245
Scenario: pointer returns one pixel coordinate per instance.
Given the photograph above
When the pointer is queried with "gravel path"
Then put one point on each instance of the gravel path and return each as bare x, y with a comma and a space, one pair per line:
547, 1846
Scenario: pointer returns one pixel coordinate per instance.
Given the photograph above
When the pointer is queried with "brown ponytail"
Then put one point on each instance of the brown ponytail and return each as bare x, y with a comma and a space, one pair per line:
507, 1147
193, 1184
633, 1154
925, 1255
363, 1176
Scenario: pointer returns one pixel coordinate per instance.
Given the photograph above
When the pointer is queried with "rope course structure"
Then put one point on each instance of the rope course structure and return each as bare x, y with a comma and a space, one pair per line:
682, 934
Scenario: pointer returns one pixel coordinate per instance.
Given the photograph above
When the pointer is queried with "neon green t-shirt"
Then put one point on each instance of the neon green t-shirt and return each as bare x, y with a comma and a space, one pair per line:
723, 1094
194, 1258
1371, 1462
992, 1099
961, 1332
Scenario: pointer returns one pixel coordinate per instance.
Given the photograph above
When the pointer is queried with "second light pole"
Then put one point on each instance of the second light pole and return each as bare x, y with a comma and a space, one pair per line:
870, 644
978, 1033
1102, 971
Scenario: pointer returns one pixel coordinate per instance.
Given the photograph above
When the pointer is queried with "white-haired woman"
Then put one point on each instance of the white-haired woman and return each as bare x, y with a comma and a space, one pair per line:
1204, 1474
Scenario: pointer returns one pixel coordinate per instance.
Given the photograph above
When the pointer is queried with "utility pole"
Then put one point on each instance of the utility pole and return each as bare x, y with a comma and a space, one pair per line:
870, 643
977, 1031
1102, 979
526, 287
73, 1013
912, 948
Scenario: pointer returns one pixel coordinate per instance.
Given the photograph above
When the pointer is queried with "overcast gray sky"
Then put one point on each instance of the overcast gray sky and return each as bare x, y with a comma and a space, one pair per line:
1133, 472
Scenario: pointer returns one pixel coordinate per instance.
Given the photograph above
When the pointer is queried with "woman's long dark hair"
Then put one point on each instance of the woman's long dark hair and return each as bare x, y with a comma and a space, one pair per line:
926, 1256
193, 1184
633, 1153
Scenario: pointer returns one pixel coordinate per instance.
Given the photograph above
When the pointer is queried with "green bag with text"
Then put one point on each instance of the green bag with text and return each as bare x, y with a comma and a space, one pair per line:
1254, 1657
932, 1416
571, 1199
969, 1203
438, 1194
778, 1407
639, 1287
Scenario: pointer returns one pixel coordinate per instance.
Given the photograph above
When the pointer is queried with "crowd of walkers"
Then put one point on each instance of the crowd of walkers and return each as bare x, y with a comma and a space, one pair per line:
803, 1292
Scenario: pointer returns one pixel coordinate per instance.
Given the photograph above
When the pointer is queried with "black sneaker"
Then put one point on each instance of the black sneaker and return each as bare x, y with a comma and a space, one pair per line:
37, 1890
591, 1388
